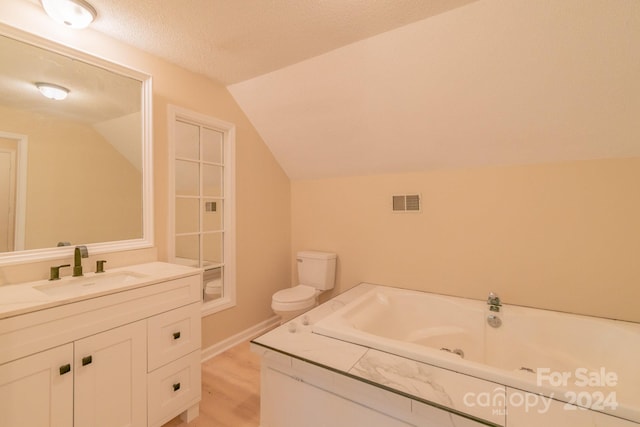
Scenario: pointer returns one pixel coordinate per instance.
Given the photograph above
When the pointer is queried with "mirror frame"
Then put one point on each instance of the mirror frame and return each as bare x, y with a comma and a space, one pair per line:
146, 240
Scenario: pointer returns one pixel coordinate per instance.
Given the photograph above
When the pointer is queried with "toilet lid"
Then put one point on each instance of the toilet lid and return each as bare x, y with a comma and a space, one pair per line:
295, 294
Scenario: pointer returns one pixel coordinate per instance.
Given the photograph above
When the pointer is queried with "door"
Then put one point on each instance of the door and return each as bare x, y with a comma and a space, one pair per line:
13, 190
7, 194
37, 390
110, 378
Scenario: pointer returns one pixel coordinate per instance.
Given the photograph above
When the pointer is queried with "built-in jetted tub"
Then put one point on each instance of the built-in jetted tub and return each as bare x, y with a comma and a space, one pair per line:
587, 361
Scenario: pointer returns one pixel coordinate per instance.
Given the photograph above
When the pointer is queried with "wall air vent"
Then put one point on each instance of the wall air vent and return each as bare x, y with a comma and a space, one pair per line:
406, 203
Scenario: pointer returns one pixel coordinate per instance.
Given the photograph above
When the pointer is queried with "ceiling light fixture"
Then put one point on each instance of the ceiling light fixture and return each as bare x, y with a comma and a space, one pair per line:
52, 91
72, 13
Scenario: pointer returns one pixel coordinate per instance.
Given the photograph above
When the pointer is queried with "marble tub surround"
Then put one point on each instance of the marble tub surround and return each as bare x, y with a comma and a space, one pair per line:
429, 383
576, 359
445, 380
296, 338
426, 385
299, 393
22, 298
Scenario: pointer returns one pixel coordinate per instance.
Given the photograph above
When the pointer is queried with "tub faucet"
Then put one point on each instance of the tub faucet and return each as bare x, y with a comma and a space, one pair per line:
79, 253
494, 302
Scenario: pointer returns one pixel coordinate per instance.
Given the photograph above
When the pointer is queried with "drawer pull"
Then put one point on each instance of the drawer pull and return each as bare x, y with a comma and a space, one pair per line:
176, 387
87, 360
176, 335
64, 369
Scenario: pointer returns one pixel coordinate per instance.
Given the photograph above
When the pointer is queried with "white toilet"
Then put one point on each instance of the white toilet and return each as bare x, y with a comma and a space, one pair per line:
212, 280
316, 273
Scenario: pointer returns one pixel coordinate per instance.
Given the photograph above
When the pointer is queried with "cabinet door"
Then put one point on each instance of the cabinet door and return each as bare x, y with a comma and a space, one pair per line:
37, 390
110, 378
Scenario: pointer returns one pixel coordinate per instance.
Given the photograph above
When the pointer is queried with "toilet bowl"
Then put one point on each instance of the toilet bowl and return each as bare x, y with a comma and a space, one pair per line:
292, 302
212, 280
213, 288
316, 273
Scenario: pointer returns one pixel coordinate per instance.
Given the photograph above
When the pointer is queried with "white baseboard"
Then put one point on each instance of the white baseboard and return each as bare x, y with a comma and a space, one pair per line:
247, 334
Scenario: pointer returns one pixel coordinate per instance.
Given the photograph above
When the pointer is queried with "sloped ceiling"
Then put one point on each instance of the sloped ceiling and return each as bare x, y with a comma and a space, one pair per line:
107, 101
491, 83
362, 87
234, 40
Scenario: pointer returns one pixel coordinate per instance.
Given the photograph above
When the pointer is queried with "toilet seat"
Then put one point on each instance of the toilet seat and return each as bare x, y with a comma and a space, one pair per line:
296, 298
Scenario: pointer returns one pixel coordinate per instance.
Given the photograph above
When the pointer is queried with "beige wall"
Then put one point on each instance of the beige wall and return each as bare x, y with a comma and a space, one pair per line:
262, 189
562, 236
559, 236
80, 189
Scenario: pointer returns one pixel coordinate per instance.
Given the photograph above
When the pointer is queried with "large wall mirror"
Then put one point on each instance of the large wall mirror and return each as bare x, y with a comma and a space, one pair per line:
75, 171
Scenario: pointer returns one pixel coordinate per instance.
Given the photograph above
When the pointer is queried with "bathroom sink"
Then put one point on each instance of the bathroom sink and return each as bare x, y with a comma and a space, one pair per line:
88, 284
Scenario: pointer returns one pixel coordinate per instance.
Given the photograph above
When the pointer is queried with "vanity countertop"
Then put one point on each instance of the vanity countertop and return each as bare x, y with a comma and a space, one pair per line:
38, 295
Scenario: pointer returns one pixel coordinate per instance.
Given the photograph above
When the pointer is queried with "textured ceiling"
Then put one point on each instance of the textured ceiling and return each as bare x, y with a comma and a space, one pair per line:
234, 40
355, 87
97, 95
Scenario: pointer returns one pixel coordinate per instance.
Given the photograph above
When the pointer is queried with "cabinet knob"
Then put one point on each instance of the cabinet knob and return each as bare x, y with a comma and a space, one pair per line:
176, 387
176, 335
87, 360
65, 369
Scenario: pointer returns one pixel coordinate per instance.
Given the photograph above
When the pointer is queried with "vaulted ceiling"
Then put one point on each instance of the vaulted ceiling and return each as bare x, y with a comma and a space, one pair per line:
360, 87
235, 40
491, 83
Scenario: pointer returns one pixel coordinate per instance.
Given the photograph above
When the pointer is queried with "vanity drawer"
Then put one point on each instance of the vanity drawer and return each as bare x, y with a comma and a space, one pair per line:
172, 335
173, 387
39, 330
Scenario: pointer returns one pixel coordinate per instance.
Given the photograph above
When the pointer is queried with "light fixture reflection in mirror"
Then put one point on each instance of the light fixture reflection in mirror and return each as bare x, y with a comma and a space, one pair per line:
72, 13
84, 171
51, 91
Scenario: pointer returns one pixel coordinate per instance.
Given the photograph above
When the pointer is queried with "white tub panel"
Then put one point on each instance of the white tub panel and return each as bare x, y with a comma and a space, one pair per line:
428, 416
524, 413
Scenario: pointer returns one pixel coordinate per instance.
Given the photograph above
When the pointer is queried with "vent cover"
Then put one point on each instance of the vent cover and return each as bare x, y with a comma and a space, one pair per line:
406, 203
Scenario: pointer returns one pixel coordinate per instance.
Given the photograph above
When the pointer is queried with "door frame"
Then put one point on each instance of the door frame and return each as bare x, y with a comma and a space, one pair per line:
175, 114
21, 188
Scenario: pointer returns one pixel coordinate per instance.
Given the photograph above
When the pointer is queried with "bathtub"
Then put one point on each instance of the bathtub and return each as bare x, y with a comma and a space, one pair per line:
589, 362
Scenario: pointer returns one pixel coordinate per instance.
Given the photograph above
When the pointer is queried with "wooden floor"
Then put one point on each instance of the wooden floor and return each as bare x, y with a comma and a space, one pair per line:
230, 391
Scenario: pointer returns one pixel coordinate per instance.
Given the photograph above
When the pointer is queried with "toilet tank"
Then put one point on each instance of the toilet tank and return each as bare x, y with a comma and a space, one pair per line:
317, 269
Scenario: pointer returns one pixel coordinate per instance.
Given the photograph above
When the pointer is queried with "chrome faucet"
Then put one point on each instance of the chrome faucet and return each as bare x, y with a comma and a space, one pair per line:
79, 253
494, 302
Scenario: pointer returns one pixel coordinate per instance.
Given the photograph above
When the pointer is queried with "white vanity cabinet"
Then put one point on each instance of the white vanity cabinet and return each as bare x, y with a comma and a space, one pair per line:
37, 390
173, 342
110, 378
95, 381
129, 358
